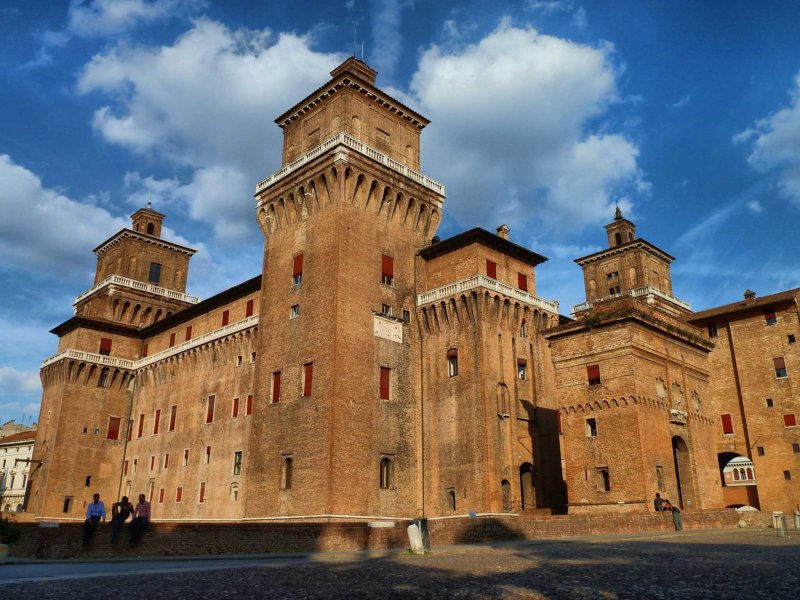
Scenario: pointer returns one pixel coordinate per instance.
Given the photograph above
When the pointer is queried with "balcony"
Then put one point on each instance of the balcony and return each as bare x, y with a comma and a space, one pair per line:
142, 287
342, 139
481, 281
648, 292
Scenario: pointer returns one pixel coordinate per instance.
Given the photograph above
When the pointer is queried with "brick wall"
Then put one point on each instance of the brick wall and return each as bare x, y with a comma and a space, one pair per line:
183, 539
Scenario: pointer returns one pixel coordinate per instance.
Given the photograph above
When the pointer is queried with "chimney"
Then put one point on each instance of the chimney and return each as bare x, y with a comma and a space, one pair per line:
749, 294
502, 231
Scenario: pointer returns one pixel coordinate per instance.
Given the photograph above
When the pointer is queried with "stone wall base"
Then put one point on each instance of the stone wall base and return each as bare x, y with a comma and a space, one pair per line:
194, 539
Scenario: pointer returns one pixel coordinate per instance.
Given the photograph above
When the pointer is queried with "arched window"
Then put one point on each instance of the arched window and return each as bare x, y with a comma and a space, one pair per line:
617, 239
749, 473
452, 362
451, 499
736, 474
506, 488
286, 473
150, 228
102, 381
386, 473
235, 492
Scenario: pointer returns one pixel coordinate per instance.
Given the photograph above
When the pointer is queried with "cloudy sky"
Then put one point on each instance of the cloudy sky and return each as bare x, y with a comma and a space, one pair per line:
545, 114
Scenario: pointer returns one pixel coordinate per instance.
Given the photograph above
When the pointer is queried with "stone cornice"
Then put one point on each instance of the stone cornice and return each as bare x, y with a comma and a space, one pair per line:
638, 244
130, 233
351, 143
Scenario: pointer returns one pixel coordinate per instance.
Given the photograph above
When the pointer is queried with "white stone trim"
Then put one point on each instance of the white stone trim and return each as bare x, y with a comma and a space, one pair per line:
477, 281
141, 286
148, 360
648, 291
343, 139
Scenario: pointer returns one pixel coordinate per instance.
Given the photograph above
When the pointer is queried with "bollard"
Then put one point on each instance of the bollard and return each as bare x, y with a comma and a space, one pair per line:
422, 523
776, 515
797, 521
415, 539
780, 526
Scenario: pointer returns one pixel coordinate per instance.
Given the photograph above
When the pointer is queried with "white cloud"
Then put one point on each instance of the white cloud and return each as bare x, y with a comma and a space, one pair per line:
387, 41
683, 102
775, 145
510, 133
206, 102
45, 229
90, 18
755, 206
579, 18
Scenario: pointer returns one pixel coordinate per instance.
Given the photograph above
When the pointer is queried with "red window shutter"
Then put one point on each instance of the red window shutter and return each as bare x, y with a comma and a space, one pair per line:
770, 316
226, 315
178, 494
173, 414
235, 407
780, 363
249, 309
152, 462
387, 266
452, 353
522, 282
130, 429
166, 460
141, 425
297, 265
790, 420
276, 386
522, 362
161, 496
125, 468
593, 373
144, 350
202, 491
171, 339
491, 269
307, 378
727, 424
156, 421
249, 409
210, 412
105, 346
386, 378
188, 333
113, 428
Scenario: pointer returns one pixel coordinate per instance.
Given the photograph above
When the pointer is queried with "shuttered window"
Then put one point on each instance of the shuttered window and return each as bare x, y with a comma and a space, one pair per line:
113, 428
593, 374
780, 367
105, 346
727, 424
297, 269
385, 382
249, 407
249, 308
188, 334
522, 282
226, 316
308, 374
491, 269
210, 410
156, 421
790, 420
235, 411
276, 386
387, 270
173, 413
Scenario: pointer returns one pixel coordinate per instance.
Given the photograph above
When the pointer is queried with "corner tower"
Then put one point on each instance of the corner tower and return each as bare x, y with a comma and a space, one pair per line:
336, 378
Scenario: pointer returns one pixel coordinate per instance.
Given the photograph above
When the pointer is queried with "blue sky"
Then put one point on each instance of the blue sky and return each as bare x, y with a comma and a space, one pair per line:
545, 114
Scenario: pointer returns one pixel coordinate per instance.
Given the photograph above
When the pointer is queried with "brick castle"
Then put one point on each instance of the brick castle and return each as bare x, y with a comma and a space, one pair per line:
374, 371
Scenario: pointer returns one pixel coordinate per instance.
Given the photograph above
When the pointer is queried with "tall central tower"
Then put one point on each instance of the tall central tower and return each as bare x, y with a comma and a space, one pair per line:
336, 422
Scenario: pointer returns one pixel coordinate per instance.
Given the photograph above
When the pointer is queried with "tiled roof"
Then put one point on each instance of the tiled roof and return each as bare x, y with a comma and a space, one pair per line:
19, 437
746, 304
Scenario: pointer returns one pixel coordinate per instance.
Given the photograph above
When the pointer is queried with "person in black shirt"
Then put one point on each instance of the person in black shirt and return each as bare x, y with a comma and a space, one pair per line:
120, 511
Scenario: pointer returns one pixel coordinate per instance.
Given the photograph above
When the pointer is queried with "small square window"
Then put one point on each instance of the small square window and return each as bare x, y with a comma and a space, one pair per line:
522, 369
787, 475
591, 427
603, 479
790, 338
239, 361
796, 448
294, 312
780, 367
406, 316
769, 403
386, 309
760, 450
770, 317
712, 330
789, 420
593, 374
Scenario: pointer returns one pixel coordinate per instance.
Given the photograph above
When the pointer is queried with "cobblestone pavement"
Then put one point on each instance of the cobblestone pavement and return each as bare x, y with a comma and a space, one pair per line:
709, 564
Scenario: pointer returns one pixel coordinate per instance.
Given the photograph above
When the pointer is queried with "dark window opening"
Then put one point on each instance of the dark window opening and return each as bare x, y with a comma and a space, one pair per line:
790, 338
237, 463
591, 428
150, 229
769, 403
760, 450
452, 362
603, 480
67, 504
451, 499
286, 473
386, 473
102, 381
712, 330
88, 480
787, 475
154, 276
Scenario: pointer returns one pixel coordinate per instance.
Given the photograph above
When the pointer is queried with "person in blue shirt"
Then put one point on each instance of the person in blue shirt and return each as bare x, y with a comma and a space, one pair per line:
94, 513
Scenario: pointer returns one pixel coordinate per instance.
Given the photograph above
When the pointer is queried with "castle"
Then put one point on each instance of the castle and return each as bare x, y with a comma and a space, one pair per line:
374, 371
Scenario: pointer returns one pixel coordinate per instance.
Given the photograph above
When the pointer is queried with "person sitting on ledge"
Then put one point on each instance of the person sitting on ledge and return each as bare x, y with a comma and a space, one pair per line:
141, 517
658, 503
94, 512
120, 511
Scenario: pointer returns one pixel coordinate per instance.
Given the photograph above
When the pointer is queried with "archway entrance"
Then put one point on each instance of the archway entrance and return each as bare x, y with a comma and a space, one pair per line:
683, 472
527, 490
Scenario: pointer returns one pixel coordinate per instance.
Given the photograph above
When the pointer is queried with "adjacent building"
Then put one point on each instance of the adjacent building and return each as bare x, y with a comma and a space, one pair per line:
16, 451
